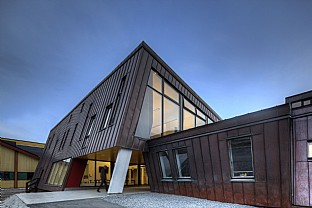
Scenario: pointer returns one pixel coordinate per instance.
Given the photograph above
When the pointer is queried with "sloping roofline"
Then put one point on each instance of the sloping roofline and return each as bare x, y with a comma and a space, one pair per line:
3, 143
153, 53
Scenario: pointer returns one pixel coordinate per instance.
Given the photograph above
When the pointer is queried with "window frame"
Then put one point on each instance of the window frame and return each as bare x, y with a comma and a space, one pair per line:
240, 178
106, 117
179, 176
161, 166
117, 101
182, 103
309, 157
73, 135
89, 130
56, 174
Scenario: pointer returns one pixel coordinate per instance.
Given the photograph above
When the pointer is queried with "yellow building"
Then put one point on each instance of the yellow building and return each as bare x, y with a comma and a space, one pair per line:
18, 161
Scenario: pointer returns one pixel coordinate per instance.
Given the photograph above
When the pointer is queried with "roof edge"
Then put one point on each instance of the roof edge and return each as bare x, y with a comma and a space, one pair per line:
175, 75
3, 143
105, 78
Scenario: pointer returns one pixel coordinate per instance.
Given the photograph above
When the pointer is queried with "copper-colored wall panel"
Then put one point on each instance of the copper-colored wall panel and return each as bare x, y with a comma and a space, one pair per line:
302, 184
210, 164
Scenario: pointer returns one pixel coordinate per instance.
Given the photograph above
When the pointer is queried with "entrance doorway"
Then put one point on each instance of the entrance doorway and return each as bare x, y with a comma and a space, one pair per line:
136, 174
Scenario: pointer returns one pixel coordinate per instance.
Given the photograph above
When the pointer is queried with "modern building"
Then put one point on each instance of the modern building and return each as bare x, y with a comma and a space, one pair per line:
18, 161
149, 127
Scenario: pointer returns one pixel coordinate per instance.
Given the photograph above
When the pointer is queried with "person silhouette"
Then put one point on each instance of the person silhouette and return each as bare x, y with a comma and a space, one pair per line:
103, 178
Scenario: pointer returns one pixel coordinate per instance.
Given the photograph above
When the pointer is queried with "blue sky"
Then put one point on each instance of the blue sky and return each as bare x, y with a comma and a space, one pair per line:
239, 56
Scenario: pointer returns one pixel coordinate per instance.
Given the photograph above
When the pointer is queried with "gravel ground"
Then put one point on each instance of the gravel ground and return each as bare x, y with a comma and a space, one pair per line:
156, 200
131, 200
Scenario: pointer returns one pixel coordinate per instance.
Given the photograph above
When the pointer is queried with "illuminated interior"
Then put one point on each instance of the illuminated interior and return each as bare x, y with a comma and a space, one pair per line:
165, 111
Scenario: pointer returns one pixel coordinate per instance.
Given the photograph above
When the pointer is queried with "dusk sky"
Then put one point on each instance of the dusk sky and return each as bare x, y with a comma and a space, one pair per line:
239, 56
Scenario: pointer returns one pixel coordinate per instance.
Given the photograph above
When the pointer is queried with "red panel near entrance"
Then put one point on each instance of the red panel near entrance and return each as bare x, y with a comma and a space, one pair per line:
76, 173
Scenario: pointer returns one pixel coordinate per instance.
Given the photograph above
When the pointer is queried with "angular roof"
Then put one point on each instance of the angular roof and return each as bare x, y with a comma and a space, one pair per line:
34, 151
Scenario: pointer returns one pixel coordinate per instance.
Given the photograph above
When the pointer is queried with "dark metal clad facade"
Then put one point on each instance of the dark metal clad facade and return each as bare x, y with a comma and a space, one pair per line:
208, 152
150, 61
302, 133
69, 139
93, 105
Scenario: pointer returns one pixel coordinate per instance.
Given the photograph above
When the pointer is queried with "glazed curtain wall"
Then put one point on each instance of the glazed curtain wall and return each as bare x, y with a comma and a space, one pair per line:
58, 172
165, 111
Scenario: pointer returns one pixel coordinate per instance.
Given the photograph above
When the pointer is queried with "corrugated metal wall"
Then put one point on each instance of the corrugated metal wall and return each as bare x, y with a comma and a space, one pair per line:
302, 131
94, 103
209, 160
62, 144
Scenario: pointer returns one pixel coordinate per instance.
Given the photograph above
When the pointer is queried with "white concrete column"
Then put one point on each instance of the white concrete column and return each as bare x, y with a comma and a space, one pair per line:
117, 181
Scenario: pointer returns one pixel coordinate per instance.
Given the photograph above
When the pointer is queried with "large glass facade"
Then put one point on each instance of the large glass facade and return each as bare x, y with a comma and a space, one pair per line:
58, 172
92, 174
165, 111
136, 174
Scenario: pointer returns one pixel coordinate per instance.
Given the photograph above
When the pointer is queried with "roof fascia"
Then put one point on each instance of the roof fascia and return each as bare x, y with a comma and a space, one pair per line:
19, 150
176, 76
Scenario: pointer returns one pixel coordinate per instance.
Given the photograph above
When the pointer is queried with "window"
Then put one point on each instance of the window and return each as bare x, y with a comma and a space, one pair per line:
200, 114
171, 117
82, 106
164, 112
309, 149
150, 122
58, 172
70, 117
307, 102
51, 141
188, 105
84, 124
61, 144
241, 159
164, 164
170, 92
89, 130
188, 119
90, 127
25, 175
71, 140
7, 176
200, 121
200, 118
209, 121
183, 163
296, 104
106, 117
120, 90
64, 139
155, 81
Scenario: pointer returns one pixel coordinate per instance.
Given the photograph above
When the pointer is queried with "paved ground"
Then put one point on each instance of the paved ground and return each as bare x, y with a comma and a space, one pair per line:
94, 203
131, 198
5, 193
58, 196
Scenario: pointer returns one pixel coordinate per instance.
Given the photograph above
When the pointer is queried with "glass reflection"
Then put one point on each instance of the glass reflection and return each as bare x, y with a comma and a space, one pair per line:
171, 117
188, 120
155, 81
199, 121
170, 92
